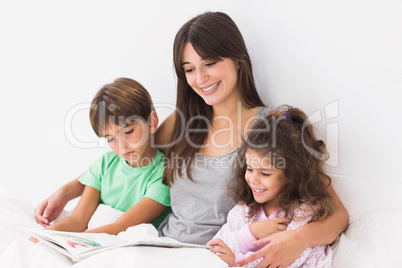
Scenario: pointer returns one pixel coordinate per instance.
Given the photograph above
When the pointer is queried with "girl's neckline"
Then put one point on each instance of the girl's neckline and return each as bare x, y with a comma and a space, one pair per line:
270, 216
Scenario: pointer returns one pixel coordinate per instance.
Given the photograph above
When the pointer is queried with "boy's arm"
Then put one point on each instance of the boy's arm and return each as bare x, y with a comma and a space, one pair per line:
145, 211
164, 133
51, 207
79, 218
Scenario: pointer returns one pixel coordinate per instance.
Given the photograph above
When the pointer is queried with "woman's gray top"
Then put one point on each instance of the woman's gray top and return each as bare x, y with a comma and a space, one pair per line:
200, 207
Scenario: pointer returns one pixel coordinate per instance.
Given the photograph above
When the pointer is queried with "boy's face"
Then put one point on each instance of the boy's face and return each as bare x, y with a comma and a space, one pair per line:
132, 141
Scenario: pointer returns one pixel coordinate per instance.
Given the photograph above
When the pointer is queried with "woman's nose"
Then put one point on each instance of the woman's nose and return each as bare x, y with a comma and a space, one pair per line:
202, 77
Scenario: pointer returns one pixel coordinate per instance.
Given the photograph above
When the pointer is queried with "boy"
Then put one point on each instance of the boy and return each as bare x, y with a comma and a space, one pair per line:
128, 178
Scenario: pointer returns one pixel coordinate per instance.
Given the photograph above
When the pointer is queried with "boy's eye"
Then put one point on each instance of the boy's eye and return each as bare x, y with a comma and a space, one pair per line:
129, 132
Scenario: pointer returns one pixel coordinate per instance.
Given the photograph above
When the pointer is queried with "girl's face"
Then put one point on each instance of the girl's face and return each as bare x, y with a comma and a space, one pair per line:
132, 141
264, 180
214, 81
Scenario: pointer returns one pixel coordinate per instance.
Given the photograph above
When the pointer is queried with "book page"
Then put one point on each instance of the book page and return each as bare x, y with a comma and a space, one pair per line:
77, 243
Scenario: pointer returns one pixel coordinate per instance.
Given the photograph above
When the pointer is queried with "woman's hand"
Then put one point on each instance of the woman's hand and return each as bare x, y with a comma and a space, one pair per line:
222, 251
265, 228
283, 249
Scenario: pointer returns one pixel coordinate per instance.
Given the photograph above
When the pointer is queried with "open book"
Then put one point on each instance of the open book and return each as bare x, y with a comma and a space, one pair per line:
78, 246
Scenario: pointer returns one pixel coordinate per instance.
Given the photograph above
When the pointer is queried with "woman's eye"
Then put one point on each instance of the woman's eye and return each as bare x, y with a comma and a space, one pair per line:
249, 169
210, 64
265, 174
110, 140
188, 70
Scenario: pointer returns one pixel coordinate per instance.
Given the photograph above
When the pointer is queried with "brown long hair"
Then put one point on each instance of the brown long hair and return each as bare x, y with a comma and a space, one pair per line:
287, 138
214, 36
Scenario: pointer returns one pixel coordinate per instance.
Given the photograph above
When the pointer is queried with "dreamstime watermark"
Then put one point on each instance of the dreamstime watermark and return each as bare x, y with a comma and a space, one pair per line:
326, 118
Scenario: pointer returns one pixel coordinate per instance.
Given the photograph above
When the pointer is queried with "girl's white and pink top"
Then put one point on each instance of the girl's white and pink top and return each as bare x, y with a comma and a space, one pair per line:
237, 235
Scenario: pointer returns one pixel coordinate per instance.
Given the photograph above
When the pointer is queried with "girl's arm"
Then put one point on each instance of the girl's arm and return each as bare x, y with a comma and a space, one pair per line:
285, 247
51, 207
79, 218
145, 211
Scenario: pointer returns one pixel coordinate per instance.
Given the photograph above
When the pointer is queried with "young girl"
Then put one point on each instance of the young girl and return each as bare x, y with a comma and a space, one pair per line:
128, 178
280, 183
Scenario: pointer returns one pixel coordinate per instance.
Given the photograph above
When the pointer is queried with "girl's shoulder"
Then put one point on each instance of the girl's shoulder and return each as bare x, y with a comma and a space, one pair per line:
242, 211
239, 210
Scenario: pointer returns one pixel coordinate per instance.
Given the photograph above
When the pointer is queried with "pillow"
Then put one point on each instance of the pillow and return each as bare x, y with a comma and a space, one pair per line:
372, 239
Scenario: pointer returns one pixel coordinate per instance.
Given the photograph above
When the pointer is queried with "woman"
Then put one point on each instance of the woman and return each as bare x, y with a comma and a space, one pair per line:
217, 103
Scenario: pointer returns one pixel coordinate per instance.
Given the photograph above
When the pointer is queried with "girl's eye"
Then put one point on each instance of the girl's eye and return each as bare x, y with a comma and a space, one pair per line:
265, 174
188, 70
210, 64
249, 169
110, 140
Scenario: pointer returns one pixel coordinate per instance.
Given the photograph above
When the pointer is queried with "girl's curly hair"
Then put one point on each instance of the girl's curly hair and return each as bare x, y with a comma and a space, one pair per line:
287, 138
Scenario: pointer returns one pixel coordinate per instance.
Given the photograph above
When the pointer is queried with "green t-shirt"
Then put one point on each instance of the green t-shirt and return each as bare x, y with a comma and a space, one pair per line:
122, 186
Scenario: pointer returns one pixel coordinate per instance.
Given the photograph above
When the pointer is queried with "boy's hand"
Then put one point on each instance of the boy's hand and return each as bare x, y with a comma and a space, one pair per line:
222, 251
49, 209
33, 239
265, 228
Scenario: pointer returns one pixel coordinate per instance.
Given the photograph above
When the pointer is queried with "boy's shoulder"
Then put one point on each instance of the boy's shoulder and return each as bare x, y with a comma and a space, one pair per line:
109, 157
159, 160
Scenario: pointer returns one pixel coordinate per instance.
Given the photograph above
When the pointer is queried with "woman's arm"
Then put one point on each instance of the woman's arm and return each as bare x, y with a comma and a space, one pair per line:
145, 211
51, 207
79, 218
285, 247
164, 133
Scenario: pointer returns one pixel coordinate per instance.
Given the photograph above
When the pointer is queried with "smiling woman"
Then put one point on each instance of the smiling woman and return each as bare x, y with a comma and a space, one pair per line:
214, 80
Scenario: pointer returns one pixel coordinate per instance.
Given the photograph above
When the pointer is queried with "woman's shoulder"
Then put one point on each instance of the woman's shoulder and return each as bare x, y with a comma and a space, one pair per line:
263, 111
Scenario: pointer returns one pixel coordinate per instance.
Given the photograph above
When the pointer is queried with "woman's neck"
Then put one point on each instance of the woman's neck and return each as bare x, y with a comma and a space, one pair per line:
232, 110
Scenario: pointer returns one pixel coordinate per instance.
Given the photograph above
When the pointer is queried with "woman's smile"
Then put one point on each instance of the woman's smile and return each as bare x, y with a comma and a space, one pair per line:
210, 89
214, 80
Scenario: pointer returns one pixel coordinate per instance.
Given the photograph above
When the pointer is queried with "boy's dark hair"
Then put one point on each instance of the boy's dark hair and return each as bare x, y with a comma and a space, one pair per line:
118, 103
287, 138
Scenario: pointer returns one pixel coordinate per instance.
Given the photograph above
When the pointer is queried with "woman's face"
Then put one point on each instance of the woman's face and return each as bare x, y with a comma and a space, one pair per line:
214, 81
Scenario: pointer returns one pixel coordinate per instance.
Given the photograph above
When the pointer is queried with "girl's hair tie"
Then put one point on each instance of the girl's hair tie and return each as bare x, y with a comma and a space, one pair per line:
287, 117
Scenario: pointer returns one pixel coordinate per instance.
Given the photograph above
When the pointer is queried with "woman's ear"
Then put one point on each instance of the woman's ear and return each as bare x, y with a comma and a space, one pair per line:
153, 121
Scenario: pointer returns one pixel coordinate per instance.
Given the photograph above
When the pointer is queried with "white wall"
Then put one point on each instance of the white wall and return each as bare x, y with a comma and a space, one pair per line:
341, 55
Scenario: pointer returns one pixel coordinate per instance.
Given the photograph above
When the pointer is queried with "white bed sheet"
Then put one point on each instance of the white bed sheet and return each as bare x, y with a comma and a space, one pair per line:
16, 251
